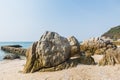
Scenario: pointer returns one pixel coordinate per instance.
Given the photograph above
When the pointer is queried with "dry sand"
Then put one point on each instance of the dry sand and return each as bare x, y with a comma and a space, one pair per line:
11, 70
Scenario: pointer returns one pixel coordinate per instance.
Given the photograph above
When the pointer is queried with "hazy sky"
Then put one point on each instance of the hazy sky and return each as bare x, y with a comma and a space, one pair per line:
26, 20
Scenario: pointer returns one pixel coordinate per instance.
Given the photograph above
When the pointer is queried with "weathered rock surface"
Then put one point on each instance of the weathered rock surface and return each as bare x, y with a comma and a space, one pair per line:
111, 57
96, 46
16, 49
52, 52
11, 56
74, 44
71, 63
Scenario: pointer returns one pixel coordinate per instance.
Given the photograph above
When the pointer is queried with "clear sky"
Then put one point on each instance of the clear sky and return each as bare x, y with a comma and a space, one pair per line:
26, 20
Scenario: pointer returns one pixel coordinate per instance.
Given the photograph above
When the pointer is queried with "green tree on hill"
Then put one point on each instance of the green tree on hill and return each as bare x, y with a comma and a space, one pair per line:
113, 33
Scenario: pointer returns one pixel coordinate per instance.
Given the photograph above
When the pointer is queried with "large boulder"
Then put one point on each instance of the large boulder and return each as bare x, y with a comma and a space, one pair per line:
111, 57
96, 46
75, 46
51, 50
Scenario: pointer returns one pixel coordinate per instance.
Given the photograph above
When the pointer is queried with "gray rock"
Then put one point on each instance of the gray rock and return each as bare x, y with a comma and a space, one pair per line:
11, 56
74, 44
15, 49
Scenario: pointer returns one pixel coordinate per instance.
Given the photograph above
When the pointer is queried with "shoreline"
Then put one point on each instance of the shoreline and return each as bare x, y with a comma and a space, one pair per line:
11, 69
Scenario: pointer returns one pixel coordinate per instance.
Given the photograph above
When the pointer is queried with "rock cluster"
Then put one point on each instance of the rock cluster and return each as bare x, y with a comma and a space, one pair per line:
96, 46
53, 52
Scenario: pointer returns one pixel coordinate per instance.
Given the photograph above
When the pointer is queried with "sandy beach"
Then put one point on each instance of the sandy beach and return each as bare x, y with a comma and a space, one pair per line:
11, 70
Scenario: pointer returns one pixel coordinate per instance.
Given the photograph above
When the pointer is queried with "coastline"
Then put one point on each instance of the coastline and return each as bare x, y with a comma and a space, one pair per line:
12, 69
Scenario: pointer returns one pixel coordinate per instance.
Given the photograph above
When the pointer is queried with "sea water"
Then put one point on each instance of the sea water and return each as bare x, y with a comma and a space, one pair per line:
23, 44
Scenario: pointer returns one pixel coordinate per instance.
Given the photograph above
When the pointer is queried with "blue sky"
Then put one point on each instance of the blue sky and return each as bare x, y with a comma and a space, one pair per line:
27, 20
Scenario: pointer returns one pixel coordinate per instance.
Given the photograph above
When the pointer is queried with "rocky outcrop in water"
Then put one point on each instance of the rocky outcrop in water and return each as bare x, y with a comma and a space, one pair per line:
11, 57
96, 46
16, 49
53, 52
